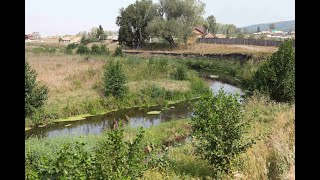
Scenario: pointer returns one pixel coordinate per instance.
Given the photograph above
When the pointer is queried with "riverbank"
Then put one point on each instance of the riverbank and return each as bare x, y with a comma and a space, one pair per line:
76, 85
272, 125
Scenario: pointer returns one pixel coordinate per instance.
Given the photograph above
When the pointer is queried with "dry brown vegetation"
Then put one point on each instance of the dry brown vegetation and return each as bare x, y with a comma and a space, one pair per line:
219, 49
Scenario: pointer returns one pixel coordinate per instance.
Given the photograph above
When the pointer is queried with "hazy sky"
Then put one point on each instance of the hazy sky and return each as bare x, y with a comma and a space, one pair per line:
51, 17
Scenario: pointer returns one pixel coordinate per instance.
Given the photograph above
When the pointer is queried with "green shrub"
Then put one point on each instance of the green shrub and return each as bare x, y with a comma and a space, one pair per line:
277, 76
82, 49
118, 51
180, 73
35, 95
72, 46
121, 160
104, 50
218, 127
115, 80
95, 49
68, 51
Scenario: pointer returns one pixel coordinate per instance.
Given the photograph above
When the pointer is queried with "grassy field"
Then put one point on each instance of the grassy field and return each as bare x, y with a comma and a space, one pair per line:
75, 83
270, 158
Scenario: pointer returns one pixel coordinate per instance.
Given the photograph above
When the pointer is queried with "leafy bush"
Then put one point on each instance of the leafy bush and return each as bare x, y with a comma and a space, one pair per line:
277, 76
115, 80
121, 160
35, 95
180, 73
218, 127
118, 51
72, 46
108, 158
104, 50
82, 49
95, 49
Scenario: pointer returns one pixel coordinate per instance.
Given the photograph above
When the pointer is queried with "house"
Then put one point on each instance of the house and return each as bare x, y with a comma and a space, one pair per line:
199, 31
64, 40
28, 37
220, 36
277, 33
208, 35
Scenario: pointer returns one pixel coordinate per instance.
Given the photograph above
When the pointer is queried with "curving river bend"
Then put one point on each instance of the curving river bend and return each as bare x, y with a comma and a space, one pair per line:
134, 117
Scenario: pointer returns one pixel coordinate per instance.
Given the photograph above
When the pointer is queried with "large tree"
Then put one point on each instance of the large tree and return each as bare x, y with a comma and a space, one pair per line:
133, 21
211, 21
230, 30
176, 19
100, 33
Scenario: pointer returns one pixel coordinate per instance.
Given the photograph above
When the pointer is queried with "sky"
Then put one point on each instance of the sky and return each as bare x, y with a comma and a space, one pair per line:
59, 17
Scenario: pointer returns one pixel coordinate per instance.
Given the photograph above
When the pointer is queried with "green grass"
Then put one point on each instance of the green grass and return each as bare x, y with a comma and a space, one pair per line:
272, 126
76, 85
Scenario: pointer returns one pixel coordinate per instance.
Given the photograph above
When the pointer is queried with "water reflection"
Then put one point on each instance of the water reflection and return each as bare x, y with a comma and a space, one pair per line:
134, 117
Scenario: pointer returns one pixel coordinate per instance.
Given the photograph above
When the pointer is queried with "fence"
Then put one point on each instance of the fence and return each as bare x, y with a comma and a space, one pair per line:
257, 42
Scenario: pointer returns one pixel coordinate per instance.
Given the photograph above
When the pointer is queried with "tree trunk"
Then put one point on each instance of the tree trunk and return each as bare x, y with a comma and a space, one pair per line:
170, 40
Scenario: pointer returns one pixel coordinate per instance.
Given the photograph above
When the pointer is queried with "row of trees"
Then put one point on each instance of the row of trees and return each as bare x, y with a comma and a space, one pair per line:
169, 19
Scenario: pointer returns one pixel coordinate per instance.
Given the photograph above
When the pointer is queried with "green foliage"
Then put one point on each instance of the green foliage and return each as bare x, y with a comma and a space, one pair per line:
180, 73
48, 50
133, 21
218, 127
82, 49
72, 46
277, 76
211, 21
99, 50
104, 50
118, 51
95, 49
176, 19
277, 165
121, 160
35, 94
115, 80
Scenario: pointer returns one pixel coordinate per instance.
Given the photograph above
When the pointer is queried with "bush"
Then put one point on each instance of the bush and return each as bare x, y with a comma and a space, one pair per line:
218, 127
82, 49
118, 51
35, 95
95, 49
115, 80
107, 158
277, 76
72, 46
104, 50
121, 160
180, 73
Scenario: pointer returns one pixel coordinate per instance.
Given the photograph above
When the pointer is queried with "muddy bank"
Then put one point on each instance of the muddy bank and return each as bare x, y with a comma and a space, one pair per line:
239, 56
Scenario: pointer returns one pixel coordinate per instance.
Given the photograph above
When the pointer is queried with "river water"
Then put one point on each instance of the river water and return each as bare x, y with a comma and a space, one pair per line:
134, 117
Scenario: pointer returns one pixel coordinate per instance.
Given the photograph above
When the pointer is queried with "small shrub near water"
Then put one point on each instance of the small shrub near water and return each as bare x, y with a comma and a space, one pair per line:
277, 76
35, 94
82, 49
115, 80
118, 51
110, 158
180, 73
219, 127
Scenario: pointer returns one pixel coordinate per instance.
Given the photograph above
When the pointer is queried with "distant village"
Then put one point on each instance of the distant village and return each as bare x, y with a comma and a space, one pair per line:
199, 32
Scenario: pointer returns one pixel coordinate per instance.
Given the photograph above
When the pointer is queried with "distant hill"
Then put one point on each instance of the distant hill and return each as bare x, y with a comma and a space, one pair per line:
282, 26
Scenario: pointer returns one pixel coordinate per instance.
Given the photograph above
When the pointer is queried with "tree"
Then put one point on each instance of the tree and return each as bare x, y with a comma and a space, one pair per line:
176, 19
211, 21
218, 128
100, 33
133, 22
258, 29
277, 76
230, 30
114, 80
272, 26
35, 94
